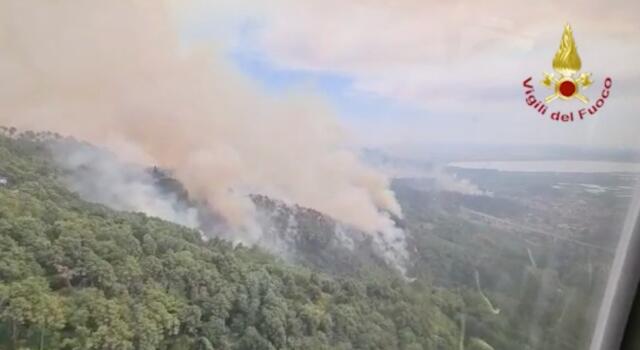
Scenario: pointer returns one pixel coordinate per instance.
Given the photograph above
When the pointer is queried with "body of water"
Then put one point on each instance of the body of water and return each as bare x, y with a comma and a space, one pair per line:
554, 166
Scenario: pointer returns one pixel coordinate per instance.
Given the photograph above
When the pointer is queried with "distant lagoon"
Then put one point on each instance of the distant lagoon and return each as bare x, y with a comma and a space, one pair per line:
552, 166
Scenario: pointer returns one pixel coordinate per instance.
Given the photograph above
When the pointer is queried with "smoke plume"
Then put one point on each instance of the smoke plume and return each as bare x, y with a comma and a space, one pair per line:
446, 181
114, 73
100, 177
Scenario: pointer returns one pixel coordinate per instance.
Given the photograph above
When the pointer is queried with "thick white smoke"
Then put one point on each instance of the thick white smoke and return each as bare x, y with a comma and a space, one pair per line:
114, 73
446, 181
99, 177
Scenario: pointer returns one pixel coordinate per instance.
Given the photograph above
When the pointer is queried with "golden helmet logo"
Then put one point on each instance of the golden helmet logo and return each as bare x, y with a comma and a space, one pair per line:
567, 83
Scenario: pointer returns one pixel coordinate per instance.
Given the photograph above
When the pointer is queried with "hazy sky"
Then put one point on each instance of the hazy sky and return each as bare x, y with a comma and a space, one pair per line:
410, 71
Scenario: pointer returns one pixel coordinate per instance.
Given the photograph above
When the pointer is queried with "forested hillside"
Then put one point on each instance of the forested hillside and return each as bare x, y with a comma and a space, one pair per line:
76, 275
79, 275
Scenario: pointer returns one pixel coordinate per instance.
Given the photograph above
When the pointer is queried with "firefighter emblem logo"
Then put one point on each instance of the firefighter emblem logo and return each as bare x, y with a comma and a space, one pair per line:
567, 82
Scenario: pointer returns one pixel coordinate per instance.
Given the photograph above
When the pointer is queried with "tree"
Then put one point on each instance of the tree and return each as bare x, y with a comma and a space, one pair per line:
30, 303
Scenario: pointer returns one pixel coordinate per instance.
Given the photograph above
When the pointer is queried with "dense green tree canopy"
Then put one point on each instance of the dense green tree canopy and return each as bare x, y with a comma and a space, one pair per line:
76, 275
